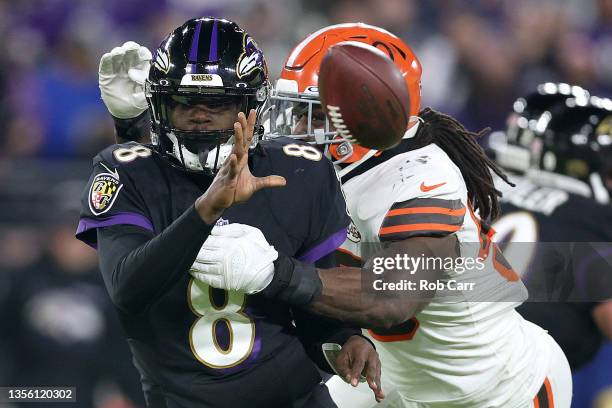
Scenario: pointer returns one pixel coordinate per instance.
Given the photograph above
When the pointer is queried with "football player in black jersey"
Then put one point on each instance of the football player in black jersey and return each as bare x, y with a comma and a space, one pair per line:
558, 148
149, 208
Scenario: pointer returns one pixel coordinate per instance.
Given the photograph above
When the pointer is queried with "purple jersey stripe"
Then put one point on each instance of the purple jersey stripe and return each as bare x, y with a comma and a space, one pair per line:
325, 247
87, 224
212, 54
193, 52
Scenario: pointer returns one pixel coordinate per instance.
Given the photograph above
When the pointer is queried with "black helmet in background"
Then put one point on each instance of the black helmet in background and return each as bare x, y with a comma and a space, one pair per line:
575, 140
526, 111
510, 149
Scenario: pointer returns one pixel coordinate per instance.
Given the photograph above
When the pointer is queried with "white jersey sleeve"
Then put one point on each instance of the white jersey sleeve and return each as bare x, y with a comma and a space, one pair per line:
432, 202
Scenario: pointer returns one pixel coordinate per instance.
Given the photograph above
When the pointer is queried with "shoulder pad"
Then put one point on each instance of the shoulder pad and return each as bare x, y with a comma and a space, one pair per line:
288, 155
426, 173
284, 144
124, 153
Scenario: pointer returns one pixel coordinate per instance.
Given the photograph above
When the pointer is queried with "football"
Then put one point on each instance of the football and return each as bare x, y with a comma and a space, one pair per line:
364, 95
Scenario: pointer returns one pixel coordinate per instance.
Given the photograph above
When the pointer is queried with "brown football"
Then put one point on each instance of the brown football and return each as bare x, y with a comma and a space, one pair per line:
364, 95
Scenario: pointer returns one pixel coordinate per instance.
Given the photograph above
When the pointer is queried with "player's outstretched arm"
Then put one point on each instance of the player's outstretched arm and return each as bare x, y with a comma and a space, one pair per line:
342, 293
137, 265
349, 295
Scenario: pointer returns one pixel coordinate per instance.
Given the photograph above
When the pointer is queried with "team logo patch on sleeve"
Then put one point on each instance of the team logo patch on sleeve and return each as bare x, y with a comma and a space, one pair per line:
353, 234
103, 192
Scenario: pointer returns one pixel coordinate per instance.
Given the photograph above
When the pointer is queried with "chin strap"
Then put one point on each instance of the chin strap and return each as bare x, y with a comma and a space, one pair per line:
211, 160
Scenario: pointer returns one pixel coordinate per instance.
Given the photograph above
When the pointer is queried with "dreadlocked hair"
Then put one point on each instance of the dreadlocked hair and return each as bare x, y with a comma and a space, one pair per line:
463, 149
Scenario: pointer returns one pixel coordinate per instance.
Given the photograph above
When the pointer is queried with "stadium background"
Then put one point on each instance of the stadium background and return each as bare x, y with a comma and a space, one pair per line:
56, 324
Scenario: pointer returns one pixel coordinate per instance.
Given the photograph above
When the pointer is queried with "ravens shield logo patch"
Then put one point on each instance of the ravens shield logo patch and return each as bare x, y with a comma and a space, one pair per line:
103, 192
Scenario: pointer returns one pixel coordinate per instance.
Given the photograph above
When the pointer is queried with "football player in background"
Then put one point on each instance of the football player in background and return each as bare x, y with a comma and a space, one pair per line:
426, 198
559, 152
149, 208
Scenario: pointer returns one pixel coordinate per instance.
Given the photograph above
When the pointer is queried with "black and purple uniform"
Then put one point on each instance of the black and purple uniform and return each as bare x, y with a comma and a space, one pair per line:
194, 345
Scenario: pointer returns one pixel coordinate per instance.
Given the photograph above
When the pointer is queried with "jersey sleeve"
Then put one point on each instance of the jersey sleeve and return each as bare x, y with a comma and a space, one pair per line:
110, 198
432, 203
329, 219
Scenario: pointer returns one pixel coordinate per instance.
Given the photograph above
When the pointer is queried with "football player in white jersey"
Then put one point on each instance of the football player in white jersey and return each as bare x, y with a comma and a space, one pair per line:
458, 343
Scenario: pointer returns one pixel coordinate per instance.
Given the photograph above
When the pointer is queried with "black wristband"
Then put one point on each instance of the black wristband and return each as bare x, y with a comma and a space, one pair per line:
294, 282
367, 338
342, 335
133, 129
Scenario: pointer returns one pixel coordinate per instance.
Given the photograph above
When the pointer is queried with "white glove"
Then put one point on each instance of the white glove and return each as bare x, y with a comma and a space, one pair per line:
121, 77
235, 257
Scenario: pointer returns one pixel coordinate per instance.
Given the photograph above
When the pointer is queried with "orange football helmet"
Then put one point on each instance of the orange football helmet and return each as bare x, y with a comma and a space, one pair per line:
296, 109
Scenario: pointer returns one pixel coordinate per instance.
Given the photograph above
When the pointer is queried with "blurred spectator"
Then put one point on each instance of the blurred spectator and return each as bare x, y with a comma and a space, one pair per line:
72, 116
63, 329
486, 53
60, 326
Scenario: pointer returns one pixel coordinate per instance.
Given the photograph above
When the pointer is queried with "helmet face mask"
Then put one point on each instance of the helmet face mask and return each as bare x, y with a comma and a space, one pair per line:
203, 74
302, 117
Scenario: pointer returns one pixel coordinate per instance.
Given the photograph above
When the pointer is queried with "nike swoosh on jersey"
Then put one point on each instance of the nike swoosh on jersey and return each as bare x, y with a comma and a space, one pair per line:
425, 188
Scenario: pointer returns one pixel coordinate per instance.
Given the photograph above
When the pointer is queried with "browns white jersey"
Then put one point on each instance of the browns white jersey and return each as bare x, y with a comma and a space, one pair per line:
468, 348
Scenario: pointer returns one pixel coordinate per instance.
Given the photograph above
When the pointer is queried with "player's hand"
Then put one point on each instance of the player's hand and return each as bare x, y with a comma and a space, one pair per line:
121, 77
234, 182
356, 357
235, 257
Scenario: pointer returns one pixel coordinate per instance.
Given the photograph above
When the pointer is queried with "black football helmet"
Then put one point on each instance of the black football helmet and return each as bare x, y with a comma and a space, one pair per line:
208, 61
575, 140
527, 110
511, 149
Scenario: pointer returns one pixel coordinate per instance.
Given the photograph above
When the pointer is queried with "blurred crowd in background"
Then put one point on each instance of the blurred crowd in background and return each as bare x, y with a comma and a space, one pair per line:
57, 324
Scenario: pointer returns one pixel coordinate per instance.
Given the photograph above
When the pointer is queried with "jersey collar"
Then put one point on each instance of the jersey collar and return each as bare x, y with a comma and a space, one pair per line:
375, 157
